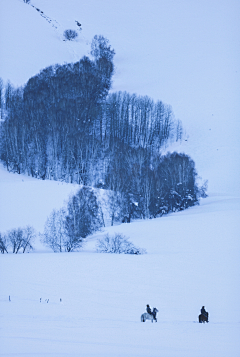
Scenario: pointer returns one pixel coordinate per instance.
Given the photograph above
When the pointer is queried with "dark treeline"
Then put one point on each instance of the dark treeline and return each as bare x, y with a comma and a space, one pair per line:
64, 125
143, 186
49, 131
137, 121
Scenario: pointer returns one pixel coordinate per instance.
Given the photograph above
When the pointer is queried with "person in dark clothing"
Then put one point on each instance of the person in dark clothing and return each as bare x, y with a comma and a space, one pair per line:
153, 313
204, 312
149, 311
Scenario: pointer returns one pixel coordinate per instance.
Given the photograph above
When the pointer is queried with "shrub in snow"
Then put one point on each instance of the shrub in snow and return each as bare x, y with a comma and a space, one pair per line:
118, 244
70, 35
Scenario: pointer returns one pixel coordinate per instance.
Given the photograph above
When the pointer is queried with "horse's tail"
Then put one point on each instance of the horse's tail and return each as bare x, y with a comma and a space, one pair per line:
142, 318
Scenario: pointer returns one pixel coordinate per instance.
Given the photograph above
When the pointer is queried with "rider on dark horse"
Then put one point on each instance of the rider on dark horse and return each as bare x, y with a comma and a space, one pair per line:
149, 311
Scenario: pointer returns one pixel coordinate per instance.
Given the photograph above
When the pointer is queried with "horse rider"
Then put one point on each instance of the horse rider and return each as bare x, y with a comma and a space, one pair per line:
204, 312
149, 311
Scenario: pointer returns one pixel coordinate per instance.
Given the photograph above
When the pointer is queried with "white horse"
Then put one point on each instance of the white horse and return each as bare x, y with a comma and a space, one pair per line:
146, 316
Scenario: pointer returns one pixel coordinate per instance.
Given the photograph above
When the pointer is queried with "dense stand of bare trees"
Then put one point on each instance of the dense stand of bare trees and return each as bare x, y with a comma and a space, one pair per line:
64, 125
137, 121
72, 139
49, 129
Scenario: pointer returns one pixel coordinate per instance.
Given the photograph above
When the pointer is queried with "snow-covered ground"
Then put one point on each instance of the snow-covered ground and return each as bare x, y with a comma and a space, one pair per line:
193, 259
186, 54
28, 201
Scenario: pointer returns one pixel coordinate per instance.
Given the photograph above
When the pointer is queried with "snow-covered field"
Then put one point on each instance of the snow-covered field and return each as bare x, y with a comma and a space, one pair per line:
186, 54
193, 259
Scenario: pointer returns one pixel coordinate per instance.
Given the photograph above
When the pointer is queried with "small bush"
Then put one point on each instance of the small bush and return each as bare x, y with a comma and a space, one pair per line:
70, 35
117, 244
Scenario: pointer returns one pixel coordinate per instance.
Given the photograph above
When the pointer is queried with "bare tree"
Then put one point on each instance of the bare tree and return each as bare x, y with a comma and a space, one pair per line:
55, 234
21, 238
115, 201
83, 218
15, 237
66, 229
3, 243
29, 235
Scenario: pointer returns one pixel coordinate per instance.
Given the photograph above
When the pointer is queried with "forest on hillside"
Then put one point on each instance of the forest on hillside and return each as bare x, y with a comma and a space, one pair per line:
65, 125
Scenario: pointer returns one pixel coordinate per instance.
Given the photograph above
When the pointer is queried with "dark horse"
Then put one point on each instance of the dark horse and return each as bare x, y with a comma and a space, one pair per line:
203, 318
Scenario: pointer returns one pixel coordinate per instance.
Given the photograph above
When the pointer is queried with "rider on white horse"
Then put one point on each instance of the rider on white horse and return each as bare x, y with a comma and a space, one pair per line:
149, 311
149, 315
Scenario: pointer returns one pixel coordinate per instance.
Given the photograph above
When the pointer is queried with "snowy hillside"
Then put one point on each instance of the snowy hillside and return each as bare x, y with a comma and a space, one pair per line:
185, 54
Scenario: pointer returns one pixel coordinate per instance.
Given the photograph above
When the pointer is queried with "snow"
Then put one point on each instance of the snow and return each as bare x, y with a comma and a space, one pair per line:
28, 201
185, 54
192, 260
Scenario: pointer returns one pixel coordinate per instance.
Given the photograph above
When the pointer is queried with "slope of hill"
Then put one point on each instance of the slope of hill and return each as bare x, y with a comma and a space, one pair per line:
190, 61
26, 200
